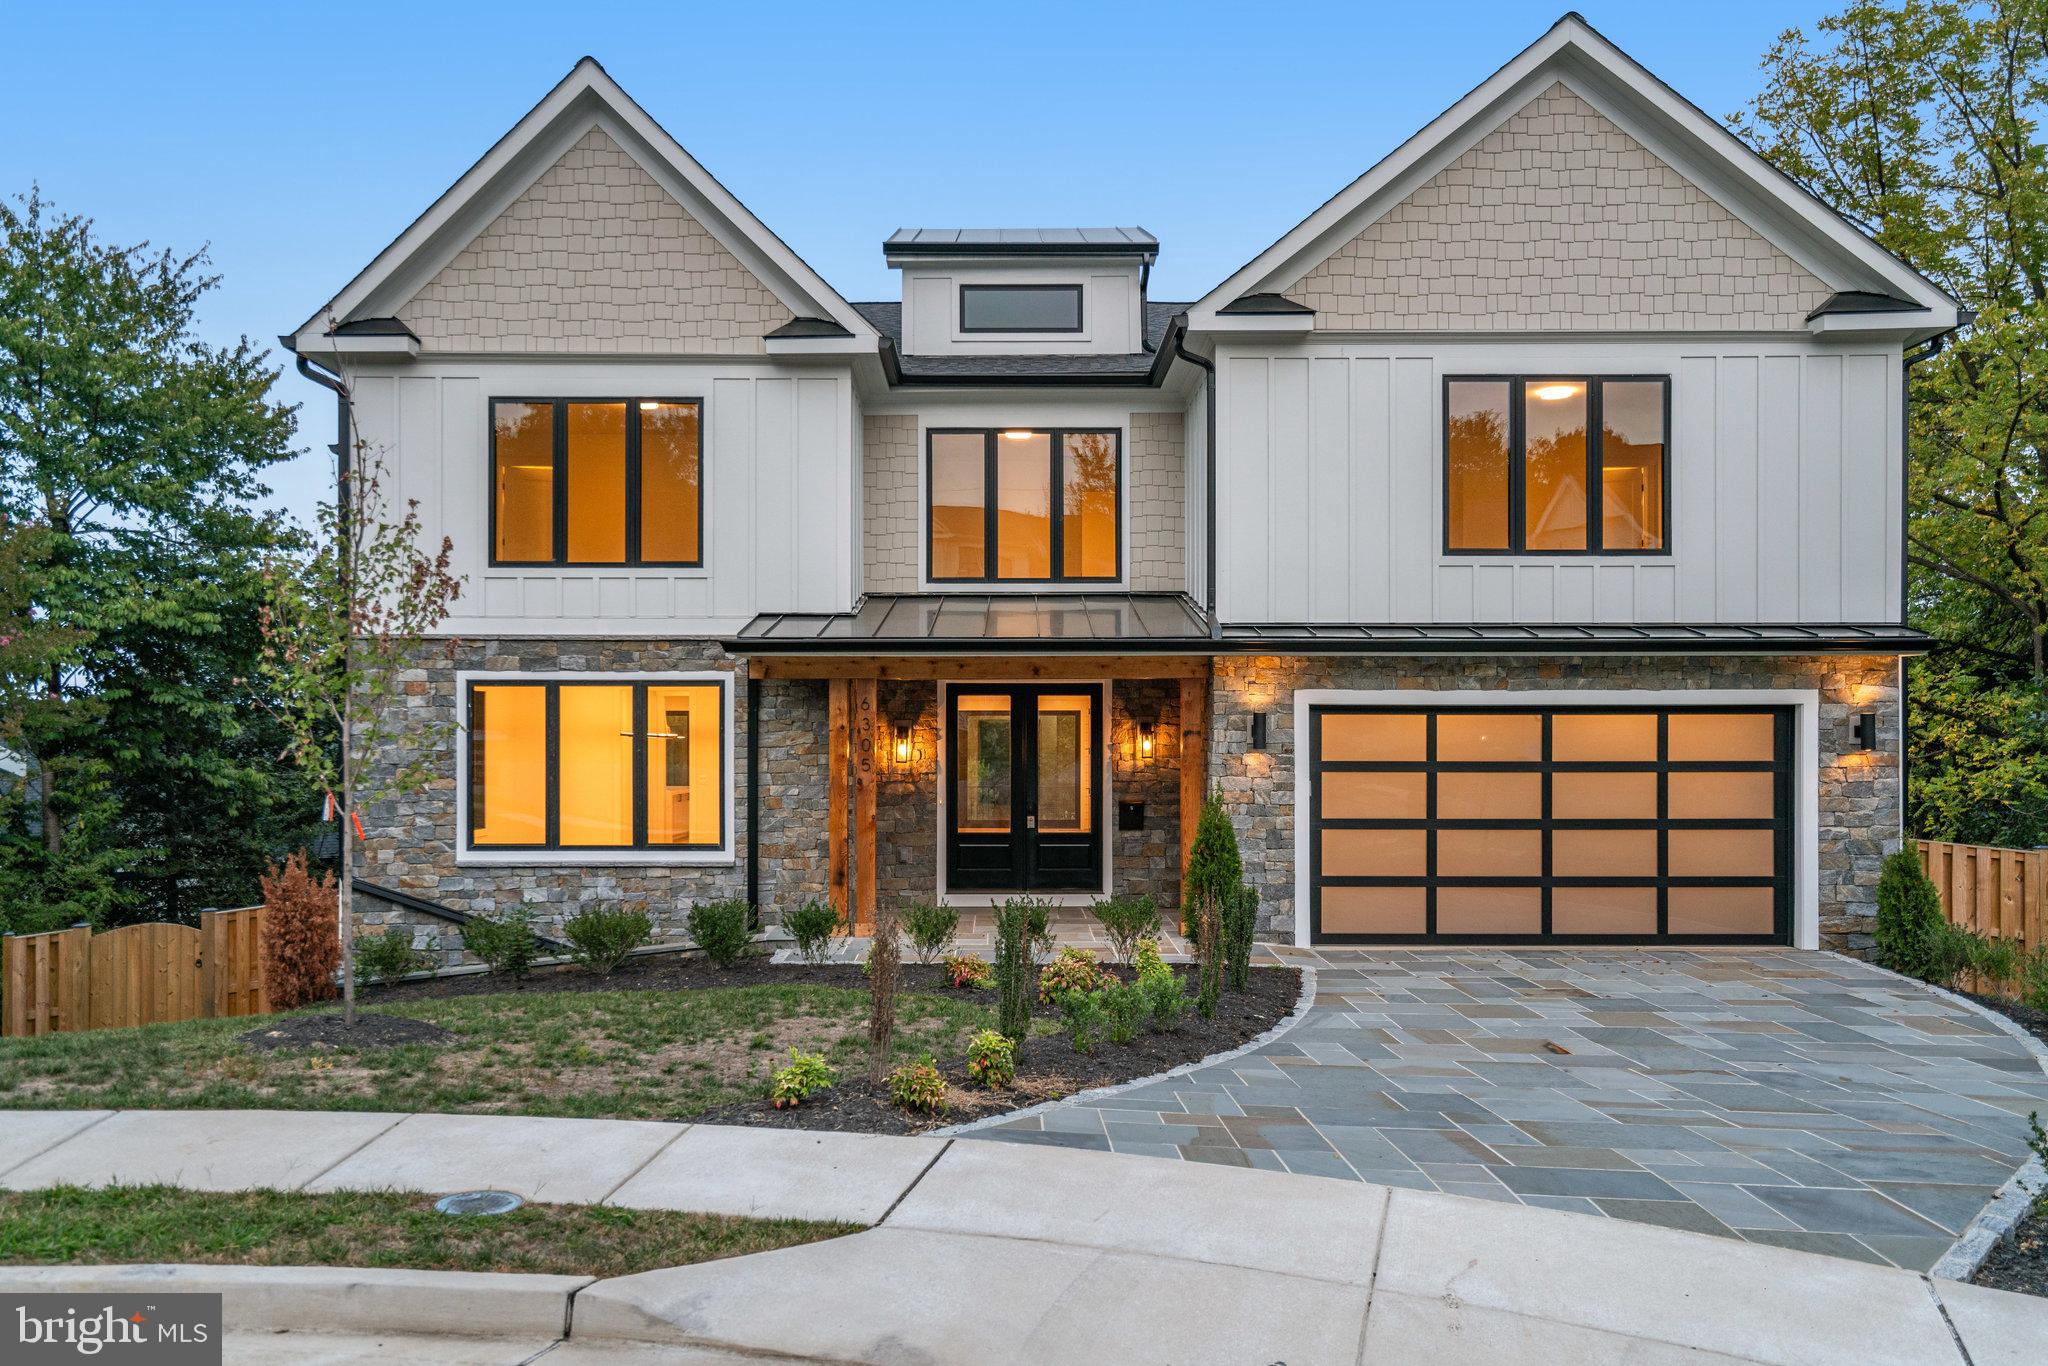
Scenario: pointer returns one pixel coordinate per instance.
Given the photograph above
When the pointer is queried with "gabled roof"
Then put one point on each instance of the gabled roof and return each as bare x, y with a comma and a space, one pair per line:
1695, 144
586, 97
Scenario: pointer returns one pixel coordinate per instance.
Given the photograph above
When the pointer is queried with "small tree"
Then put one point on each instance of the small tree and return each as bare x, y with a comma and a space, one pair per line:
1909, 915
300, 938
1214, 868
882, 961
341, 625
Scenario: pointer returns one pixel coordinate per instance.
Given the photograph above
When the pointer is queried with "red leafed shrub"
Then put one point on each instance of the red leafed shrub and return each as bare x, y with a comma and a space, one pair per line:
301, 940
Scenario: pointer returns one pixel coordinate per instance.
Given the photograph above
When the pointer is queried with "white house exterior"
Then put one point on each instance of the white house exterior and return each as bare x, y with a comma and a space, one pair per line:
1516, 546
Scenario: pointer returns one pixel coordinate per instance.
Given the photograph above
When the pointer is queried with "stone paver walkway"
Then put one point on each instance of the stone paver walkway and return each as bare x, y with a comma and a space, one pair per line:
1794, 1099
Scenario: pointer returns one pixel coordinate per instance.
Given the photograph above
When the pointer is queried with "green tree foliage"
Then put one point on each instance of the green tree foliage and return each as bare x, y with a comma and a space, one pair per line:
129, 460
1214, 866
1909, 916
1920, 122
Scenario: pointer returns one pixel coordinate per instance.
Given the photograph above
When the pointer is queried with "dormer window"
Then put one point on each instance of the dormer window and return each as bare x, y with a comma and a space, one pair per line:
1020, 308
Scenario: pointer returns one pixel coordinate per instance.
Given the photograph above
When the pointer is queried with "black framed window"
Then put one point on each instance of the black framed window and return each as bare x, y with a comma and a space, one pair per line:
1557, 465
1023, 505
597, 765
597, 482
1020, 308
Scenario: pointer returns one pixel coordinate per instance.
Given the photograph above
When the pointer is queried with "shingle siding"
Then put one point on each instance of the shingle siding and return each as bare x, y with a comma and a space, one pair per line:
595, 258
889, 506
1155, 502
1558, 219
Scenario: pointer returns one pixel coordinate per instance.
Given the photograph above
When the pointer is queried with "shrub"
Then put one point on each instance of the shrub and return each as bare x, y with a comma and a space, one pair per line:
1996, 961
2037, 1142
968, 973
1123, 1004
2031, 980
301, 934
601, 937
1947, 953
930, 929
991, 1060
388, 958
918, 1086
1013, 968
1084, 1013
1166, 998
794, 1084
1073, 970
1212, 956
1148, 960
1214, 867
1240, 924
505, 941
1909, 915
1126, 920
720, 929
813, 926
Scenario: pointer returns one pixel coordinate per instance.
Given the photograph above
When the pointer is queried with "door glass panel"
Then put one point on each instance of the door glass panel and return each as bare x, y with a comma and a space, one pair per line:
1088, 506
597, 483
1723, 853
1632, 465
1722, 910
1489, 853
1489, 910
1603, 910
1375, 910
596, 765
981, 789
1489, 737
1375, 853
1726, 736
524, 481
1023, 505
1554, 487
1375, 737
508, 765
671, 486
959, 536
1376, 796
685, 784
1476, 464
1723, 796
1603, 796
1066, 780
1489, 796
1603, 853
1603, 737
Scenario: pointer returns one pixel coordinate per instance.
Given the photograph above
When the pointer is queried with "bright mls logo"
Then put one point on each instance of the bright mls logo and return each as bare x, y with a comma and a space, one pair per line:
168, 1330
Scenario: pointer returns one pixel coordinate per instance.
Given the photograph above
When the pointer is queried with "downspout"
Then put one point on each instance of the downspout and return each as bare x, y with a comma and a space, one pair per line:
753, 800
1180, 348
340, 446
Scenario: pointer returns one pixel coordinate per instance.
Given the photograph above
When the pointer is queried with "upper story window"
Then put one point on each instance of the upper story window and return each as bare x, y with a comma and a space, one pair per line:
1020, 308
1024, 506
617, 481
1557, 466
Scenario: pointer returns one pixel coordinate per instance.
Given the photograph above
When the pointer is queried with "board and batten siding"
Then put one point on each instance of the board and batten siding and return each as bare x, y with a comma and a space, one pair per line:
778, 494
1785, 488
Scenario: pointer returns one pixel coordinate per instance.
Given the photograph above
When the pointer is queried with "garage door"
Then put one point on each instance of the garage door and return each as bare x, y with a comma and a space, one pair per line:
1570, 825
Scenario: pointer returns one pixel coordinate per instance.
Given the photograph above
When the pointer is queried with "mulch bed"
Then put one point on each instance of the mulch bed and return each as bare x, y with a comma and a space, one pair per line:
657, 972
2035, 1022
327, 1031
2020, 1263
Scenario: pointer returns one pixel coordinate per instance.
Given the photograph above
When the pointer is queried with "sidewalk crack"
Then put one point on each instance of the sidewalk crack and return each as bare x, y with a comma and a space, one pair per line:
1962, 1348
1379, 1250
905, 1195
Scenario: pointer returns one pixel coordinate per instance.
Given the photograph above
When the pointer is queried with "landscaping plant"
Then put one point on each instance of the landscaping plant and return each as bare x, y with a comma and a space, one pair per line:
930, 928
813, 926
991, 1060
389, 958
1909, 916
1083, 1013
1073, 970
1148, 961
805, 1074
1214, 867
1240, 924
966, 972
505, 941
1125, 920
1211, 923
1013, 968
720, 929
1166, 998
2037, 1142
918, 1086
602, 937
2032, 977
1123, 1005
301, 945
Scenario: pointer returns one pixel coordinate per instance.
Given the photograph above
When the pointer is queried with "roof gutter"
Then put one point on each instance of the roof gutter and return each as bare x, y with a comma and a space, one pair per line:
1180, 348
328, 380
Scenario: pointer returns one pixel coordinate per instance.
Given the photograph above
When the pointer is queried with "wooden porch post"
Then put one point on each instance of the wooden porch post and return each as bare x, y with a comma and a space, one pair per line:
866, 756
1194, 761
837, 756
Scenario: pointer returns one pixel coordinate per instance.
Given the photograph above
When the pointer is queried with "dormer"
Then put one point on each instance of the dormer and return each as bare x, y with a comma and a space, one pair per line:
1022, 291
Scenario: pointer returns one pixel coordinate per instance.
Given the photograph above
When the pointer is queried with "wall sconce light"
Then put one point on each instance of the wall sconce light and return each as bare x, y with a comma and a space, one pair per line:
1866, 730
1258, 730
1146, 734
900, 747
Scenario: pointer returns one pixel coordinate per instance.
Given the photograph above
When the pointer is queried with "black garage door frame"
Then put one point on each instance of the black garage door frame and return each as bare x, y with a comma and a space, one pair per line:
1782, 765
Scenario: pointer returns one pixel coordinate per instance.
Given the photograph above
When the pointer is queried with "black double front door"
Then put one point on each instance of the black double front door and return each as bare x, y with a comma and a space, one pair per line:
1024, 799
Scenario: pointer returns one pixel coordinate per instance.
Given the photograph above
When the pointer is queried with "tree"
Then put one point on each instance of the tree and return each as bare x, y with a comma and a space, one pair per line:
1214, 868
129, 456
342, 622
1919, 122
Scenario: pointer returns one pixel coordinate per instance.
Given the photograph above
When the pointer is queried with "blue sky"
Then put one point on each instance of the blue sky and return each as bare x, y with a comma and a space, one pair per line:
297, 140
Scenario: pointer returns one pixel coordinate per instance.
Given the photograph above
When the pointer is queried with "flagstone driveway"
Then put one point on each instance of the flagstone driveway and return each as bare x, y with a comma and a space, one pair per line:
1796, 1099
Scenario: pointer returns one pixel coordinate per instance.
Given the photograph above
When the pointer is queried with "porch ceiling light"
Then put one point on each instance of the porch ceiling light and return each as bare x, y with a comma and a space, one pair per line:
1552, 393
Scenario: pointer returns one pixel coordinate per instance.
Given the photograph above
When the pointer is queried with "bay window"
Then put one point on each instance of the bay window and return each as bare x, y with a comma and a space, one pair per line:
613, 482
1023, 506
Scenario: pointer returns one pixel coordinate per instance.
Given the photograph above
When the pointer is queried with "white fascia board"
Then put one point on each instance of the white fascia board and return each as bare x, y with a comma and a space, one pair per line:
1910, 326
1261, 324
822, 347
359, 348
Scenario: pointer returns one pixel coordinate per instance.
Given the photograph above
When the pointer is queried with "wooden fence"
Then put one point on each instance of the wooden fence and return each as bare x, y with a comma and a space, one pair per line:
141, 974
1999, 893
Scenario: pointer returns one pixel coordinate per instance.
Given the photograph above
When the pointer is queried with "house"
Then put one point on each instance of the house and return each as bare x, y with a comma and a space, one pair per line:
1516, 545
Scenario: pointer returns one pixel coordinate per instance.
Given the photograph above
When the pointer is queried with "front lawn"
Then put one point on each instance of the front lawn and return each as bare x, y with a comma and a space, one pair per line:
73, 1227
640, 1054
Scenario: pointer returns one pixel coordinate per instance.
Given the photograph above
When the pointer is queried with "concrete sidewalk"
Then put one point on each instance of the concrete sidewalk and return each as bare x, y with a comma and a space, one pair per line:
987, 1252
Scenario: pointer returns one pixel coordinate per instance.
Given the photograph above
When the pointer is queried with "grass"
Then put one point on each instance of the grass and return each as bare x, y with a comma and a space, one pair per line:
600, 1054
67, 1225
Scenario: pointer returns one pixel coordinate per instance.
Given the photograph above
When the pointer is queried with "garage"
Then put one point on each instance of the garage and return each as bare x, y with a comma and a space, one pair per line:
1557, 824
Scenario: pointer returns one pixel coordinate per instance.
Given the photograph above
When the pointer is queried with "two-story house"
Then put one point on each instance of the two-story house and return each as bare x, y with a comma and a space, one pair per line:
1516, 545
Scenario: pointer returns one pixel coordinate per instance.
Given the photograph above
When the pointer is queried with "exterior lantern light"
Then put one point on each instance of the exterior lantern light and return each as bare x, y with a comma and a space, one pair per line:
1145, 741
902, 746
1866, 730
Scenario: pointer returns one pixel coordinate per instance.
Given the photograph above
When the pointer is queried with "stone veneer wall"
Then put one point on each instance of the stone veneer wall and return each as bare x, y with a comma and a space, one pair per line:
890, 517
595, 257
1155, 502
1558, 219
1859, 793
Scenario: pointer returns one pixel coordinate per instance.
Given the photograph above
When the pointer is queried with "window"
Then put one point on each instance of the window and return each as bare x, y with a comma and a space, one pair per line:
610, 482
573, 765
1565, 466
1020, 308
1024, 506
